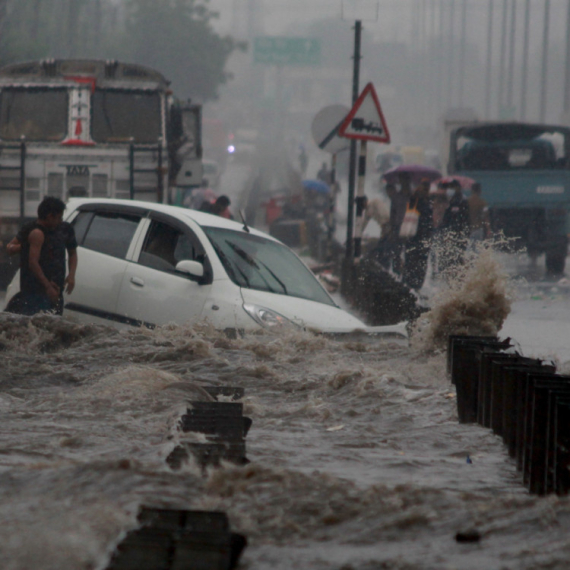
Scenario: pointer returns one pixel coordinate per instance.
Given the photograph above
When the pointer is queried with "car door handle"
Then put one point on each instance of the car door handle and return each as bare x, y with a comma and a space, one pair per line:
137, 281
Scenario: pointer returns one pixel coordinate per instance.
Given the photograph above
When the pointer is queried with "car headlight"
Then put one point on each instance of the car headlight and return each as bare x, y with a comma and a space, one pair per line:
267, 318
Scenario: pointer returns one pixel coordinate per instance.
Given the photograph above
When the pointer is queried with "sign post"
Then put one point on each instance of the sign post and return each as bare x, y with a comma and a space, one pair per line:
365, 122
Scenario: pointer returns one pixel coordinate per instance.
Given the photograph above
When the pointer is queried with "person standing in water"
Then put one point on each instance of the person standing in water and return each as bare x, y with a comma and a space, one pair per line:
42, 245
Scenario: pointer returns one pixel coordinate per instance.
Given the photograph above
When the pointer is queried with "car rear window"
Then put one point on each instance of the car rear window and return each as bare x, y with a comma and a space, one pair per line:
108, 233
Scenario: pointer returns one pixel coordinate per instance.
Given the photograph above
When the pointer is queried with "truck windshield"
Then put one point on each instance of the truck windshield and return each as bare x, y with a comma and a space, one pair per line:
119, 116
510, 147
37, 114
254, 262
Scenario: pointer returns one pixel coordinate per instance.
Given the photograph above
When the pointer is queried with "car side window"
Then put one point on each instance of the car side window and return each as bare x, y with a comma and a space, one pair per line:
166, 245
81, 225
111, 233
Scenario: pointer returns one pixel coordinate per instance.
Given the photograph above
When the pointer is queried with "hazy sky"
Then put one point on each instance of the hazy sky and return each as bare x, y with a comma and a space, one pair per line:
426, 26
280, 15
395, 17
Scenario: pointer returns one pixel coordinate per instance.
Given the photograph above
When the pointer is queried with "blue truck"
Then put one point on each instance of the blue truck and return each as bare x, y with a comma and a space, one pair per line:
524, 172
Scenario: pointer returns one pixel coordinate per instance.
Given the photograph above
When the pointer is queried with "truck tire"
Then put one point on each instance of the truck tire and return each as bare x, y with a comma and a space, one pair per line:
556, 258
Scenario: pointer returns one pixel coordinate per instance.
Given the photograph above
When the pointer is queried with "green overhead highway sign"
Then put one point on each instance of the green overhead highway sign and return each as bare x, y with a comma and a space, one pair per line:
278, 50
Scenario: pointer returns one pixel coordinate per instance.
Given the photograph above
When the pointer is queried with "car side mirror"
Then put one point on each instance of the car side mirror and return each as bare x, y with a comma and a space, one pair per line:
193, 269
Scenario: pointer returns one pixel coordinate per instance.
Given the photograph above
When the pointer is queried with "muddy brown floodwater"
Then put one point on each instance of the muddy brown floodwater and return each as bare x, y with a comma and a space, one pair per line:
357, 458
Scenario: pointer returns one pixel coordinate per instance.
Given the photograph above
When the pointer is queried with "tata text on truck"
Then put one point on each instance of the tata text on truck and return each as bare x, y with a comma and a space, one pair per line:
524, 171
90, 128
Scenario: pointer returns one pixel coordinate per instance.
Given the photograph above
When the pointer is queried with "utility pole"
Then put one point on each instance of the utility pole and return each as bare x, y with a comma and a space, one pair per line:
352, 163
488, 74
524, 77
544, 74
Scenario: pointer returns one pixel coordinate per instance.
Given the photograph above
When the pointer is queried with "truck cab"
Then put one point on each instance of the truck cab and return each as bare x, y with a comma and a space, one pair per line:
90, 128
524, 172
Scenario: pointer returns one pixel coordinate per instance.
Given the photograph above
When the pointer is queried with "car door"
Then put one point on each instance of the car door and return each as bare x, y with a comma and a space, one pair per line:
104, 239
152, 291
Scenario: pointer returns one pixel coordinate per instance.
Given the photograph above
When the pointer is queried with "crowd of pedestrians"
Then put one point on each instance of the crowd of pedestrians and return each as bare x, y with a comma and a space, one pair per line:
420, 221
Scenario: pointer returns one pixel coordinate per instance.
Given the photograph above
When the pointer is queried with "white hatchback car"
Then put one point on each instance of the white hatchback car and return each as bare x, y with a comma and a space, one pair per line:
150, 264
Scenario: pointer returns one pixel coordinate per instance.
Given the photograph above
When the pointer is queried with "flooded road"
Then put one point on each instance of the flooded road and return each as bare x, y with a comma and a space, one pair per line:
357, 458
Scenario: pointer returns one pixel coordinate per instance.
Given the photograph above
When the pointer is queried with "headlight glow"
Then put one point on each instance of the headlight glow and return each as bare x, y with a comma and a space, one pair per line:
267, 318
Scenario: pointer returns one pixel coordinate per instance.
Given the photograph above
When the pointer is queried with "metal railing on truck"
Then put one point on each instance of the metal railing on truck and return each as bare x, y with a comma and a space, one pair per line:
20, 168
140, 149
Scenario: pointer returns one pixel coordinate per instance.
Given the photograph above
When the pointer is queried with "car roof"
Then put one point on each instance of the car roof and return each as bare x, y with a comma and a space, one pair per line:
179, 212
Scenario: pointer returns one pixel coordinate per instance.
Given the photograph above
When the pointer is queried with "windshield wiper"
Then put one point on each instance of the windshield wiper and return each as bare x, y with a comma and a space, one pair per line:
274, 276
250, 261
254, 263
245, 256
229, 265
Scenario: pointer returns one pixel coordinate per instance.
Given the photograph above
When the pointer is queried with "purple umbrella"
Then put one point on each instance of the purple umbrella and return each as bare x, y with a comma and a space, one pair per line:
416, 171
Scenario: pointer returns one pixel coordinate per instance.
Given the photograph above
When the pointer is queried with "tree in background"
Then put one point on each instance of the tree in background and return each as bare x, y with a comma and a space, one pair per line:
174, 36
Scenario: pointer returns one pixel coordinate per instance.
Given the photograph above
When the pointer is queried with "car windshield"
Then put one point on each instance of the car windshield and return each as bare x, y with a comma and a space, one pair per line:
119, 116
254, 262
504, 147
37, 114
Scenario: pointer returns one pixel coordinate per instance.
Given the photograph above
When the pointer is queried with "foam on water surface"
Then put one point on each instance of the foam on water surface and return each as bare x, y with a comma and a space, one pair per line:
357, 456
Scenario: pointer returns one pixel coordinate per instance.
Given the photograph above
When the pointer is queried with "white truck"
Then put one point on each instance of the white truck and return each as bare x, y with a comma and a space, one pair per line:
90, 128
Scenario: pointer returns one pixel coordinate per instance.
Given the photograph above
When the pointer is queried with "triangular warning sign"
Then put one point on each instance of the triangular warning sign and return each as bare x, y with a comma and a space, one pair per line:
365, 120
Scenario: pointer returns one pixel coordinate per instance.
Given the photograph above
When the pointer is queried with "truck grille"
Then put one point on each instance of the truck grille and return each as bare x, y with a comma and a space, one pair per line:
77, 185
55, 184
100, 186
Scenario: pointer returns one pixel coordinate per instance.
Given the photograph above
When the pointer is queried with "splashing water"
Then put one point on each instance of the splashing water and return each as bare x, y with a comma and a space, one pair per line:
475, 300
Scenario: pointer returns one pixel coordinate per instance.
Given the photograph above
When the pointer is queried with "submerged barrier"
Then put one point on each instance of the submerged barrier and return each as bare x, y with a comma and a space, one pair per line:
224, 426
523, 400
178, 539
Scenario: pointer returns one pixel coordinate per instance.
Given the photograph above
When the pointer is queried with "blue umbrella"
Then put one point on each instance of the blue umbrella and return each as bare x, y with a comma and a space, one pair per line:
317, 185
